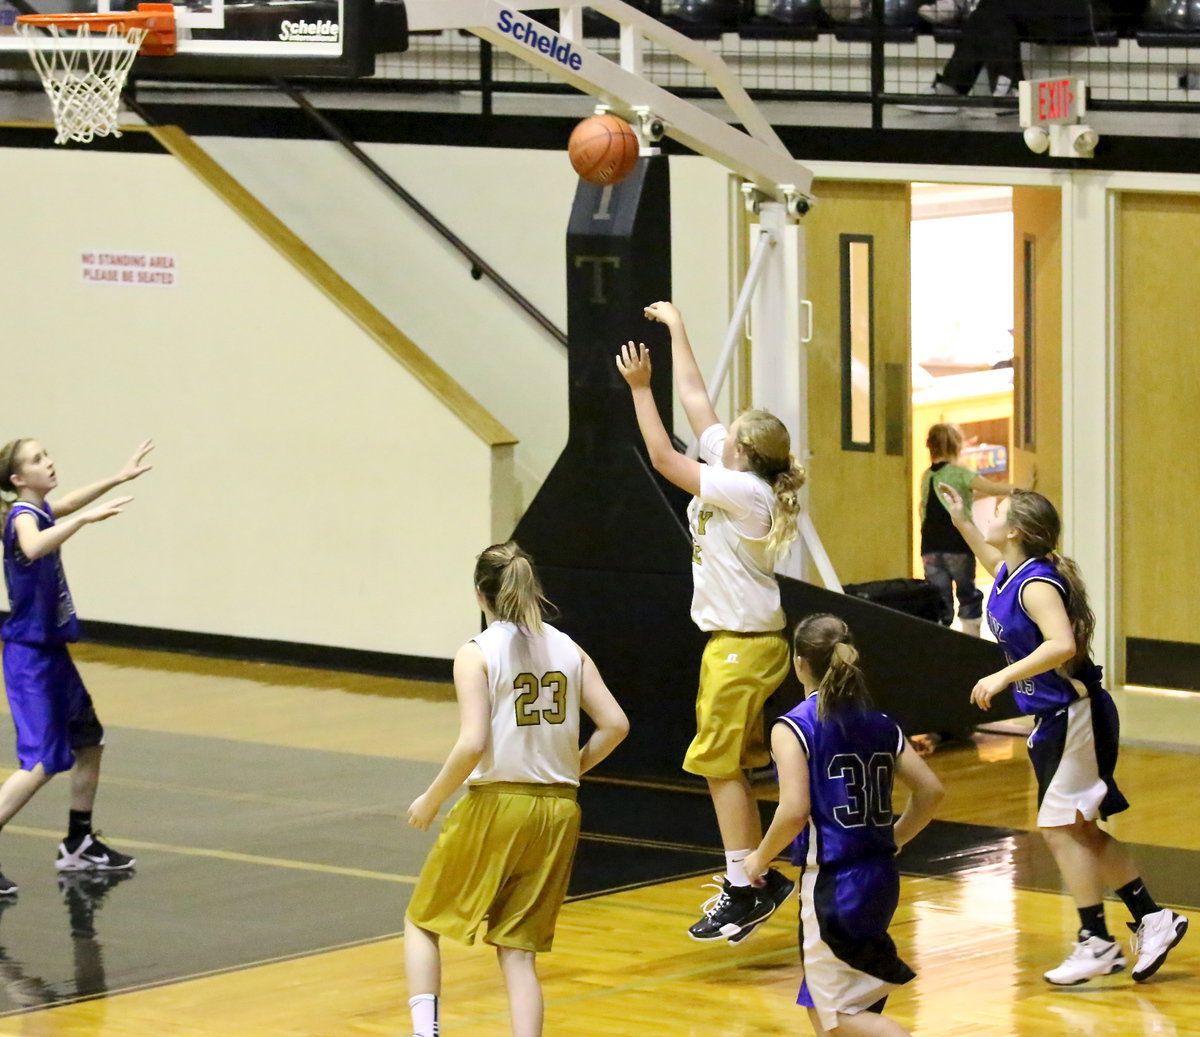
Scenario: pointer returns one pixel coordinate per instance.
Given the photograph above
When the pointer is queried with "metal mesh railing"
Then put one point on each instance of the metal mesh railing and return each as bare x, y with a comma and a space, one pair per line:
1142, 65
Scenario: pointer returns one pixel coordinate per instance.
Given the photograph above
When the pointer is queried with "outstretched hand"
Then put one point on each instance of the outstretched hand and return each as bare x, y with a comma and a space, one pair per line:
663, 312
954, 502
104, 511
134, 467
634, 365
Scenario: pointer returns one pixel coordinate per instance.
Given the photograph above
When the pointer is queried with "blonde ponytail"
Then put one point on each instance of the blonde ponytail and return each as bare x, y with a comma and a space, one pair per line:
8, 468
786, 510
825, 643
504, 575
765, 442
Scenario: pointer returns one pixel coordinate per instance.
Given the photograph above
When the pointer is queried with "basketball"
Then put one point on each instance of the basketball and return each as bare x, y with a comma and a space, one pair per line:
603, 149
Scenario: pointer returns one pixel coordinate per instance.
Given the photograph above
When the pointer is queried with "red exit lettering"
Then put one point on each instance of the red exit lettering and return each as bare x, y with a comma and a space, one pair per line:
1055, 98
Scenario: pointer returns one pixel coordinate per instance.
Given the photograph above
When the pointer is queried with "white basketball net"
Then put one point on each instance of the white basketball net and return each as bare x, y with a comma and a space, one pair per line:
83, 74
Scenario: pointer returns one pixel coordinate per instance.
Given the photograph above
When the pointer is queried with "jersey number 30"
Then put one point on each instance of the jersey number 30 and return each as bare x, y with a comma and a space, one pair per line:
528, 713
868, 789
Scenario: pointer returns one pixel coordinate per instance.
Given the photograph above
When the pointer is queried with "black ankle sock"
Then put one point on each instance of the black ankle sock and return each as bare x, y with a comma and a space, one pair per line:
79, 824
1091, 919
1137, 899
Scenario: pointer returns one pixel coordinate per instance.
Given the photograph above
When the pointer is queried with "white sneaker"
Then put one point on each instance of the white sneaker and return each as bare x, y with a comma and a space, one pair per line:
1154, 936
1004, 91
935, 89
1091, 957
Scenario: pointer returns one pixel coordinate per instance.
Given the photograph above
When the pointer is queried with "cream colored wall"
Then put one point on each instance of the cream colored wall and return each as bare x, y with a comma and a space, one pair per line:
306, 488
700, 264
512, 208
267, 401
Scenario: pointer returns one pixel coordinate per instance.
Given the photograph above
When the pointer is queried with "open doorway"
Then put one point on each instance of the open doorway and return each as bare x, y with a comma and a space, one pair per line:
962, 331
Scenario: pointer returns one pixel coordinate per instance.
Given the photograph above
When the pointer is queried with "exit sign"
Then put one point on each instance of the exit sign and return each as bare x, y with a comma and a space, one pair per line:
1045, 102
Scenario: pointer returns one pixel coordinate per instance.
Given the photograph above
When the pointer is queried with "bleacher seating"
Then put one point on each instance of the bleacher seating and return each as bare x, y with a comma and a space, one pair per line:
1158, 23
789, 45
786, 20
1169, 23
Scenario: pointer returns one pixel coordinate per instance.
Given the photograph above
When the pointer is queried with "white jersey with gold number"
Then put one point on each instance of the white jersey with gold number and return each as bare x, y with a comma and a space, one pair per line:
535, 683
733, 573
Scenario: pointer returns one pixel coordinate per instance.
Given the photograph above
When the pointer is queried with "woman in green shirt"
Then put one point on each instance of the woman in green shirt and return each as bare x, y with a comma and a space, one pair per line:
949, 562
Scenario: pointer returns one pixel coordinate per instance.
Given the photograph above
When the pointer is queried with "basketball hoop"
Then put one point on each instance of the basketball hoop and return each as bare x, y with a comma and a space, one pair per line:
85, 58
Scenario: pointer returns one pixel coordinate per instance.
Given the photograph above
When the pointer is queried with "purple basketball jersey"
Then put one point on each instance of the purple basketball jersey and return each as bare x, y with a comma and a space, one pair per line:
851, 766
1019, 636
39, 601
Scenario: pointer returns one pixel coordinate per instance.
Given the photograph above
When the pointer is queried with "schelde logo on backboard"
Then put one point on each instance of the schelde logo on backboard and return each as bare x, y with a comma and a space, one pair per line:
538, 37
325, 31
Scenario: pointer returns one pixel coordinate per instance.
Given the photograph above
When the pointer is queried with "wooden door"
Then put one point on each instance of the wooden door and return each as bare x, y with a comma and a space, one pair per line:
1037, 340
859, 377
1158, 381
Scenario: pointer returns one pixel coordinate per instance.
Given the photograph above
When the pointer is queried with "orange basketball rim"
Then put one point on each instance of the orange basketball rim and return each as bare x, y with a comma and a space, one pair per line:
157, 20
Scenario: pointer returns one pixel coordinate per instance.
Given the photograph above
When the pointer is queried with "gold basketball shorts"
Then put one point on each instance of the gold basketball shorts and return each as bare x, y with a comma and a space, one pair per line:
502, 861
738, 673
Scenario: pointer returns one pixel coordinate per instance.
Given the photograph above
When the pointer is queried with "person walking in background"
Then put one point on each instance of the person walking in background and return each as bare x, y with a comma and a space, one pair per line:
947, 559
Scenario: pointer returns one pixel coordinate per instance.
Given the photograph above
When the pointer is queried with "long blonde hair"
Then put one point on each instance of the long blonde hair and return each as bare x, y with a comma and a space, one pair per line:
826, 644
768, 448
1037, 525
8, 468
504, 575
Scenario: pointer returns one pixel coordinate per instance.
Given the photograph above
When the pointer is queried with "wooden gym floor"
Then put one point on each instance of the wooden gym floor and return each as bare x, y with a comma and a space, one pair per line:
266, 804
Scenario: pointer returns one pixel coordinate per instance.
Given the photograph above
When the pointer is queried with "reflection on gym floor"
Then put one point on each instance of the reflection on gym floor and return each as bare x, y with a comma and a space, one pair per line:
83, 895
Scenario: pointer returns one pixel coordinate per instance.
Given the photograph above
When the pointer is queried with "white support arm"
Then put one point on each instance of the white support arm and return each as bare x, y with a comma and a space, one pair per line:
734, 333
716, 383
758, 156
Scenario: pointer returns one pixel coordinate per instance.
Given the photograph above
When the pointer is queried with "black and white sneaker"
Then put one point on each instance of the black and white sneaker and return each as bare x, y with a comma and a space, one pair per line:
779, 887
8, 888
731, 910
90, 854
1092, 956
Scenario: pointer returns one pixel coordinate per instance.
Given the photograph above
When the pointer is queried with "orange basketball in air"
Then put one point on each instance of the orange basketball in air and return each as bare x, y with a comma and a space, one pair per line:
603, 149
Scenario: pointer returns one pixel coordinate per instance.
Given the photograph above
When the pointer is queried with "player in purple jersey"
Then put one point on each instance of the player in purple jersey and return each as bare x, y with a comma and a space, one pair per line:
57, 728
837, 758
1039, 613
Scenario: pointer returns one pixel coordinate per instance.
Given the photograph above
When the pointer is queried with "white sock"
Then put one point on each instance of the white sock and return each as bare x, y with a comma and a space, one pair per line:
733, 867
424, 1015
